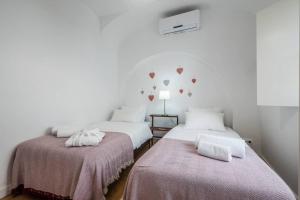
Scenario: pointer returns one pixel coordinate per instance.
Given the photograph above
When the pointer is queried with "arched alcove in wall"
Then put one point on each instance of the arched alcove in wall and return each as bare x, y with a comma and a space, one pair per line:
219, 48
190, 80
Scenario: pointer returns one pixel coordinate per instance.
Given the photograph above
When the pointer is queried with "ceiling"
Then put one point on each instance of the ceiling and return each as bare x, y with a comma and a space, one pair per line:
105, 8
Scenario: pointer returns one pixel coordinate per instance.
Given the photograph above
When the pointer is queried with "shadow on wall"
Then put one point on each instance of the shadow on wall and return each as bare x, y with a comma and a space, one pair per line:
190, 80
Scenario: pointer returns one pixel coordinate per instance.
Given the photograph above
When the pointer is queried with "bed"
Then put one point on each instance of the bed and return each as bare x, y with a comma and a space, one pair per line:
138, 132
45, 167
172, 169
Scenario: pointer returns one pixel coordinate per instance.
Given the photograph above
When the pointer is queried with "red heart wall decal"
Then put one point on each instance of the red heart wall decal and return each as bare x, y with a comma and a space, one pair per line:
181, 91
194, 80
152, 74
151, 97
179, 70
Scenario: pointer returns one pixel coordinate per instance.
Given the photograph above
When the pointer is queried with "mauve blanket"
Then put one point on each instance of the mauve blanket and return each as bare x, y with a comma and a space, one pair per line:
80, 173
173, 170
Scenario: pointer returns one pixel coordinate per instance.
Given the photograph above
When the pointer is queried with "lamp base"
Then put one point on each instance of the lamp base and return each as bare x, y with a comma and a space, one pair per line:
165, 107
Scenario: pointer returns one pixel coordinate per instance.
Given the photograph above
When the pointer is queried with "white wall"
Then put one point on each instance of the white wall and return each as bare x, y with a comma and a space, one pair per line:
280, 143
224, 49
208, 85
54, 69
278, 54
278, 85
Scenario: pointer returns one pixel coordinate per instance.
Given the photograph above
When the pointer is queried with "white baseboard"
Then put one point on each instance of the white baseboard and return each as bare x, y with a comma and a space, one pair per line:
4, 191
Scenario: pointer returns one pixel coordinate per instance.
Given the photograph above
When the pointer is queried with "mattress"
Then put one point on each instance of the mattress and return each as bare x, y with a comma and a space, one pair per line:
138, 132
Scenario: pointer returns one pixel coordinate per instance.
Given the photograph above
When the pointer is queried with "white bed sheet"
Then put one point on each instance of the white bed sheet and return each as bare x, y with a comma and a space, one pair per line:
138, 132
181, 133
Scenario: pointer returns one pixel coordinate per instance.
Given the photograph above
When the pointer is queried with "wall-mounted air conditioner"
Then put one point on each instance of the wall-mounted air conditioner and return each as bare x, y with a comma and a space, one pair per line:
189, 21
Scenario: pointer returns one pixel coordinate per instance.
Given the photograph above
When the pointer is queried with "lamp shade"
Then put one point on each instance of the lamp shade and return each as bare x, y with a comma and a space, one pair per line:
164, 94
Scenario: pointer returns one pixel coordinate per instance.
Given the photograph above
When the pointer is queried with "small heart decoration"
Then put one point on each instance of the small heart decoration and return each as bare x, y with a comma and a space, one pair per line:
151, 97
142, 92
154, 87
179, 70
166, 82
190, 94
152, 75
181, 91
194, 80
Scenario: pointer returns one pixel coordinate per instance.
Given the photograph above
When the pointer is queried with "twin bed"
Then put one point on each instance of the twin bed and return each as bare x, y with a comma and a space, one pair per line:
172, 169
44, 166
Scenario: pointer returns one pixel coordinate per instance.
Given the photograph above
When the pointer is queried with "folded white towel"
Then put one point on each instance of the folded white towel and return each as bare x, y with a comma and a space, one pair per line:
64, 131
214, 151
237, 145
85, 138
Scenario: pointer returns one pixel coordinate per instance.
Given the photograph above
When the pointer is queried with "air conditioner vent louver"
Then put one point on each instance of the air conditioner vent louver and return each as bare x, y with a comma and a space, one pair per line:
189, 21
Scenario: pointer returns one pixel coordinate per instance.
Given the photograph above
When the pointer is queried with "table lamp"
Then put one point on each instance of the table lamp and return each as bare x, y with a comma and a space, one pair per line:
164, 95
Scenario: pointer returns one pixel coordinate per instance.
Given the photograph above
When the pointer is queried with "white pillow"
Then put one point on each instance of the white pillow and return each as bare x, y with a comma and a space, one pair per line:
140, 111
205, 120
125, 116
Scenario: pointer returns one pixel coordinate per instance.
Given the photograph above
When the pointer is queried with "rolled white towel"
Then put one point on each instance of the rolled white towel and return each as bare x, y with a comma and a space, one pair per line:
215, 151
84, 138
64, 131
237, 145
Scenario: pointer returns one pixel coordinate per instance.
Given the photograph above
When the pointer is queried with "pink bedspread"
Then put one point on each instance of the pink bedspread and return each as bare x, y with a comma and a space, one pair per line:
80, 173
172, 170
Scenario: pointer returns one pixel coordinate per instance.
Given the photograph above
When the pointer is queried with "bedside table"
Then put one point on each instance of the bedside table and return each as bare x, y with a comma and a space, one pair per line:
160, 128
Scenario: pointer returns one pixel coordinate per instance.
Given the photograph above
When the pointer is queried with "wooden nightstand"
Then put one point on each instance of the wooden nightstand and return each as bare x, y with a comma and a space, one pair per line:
161, 128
